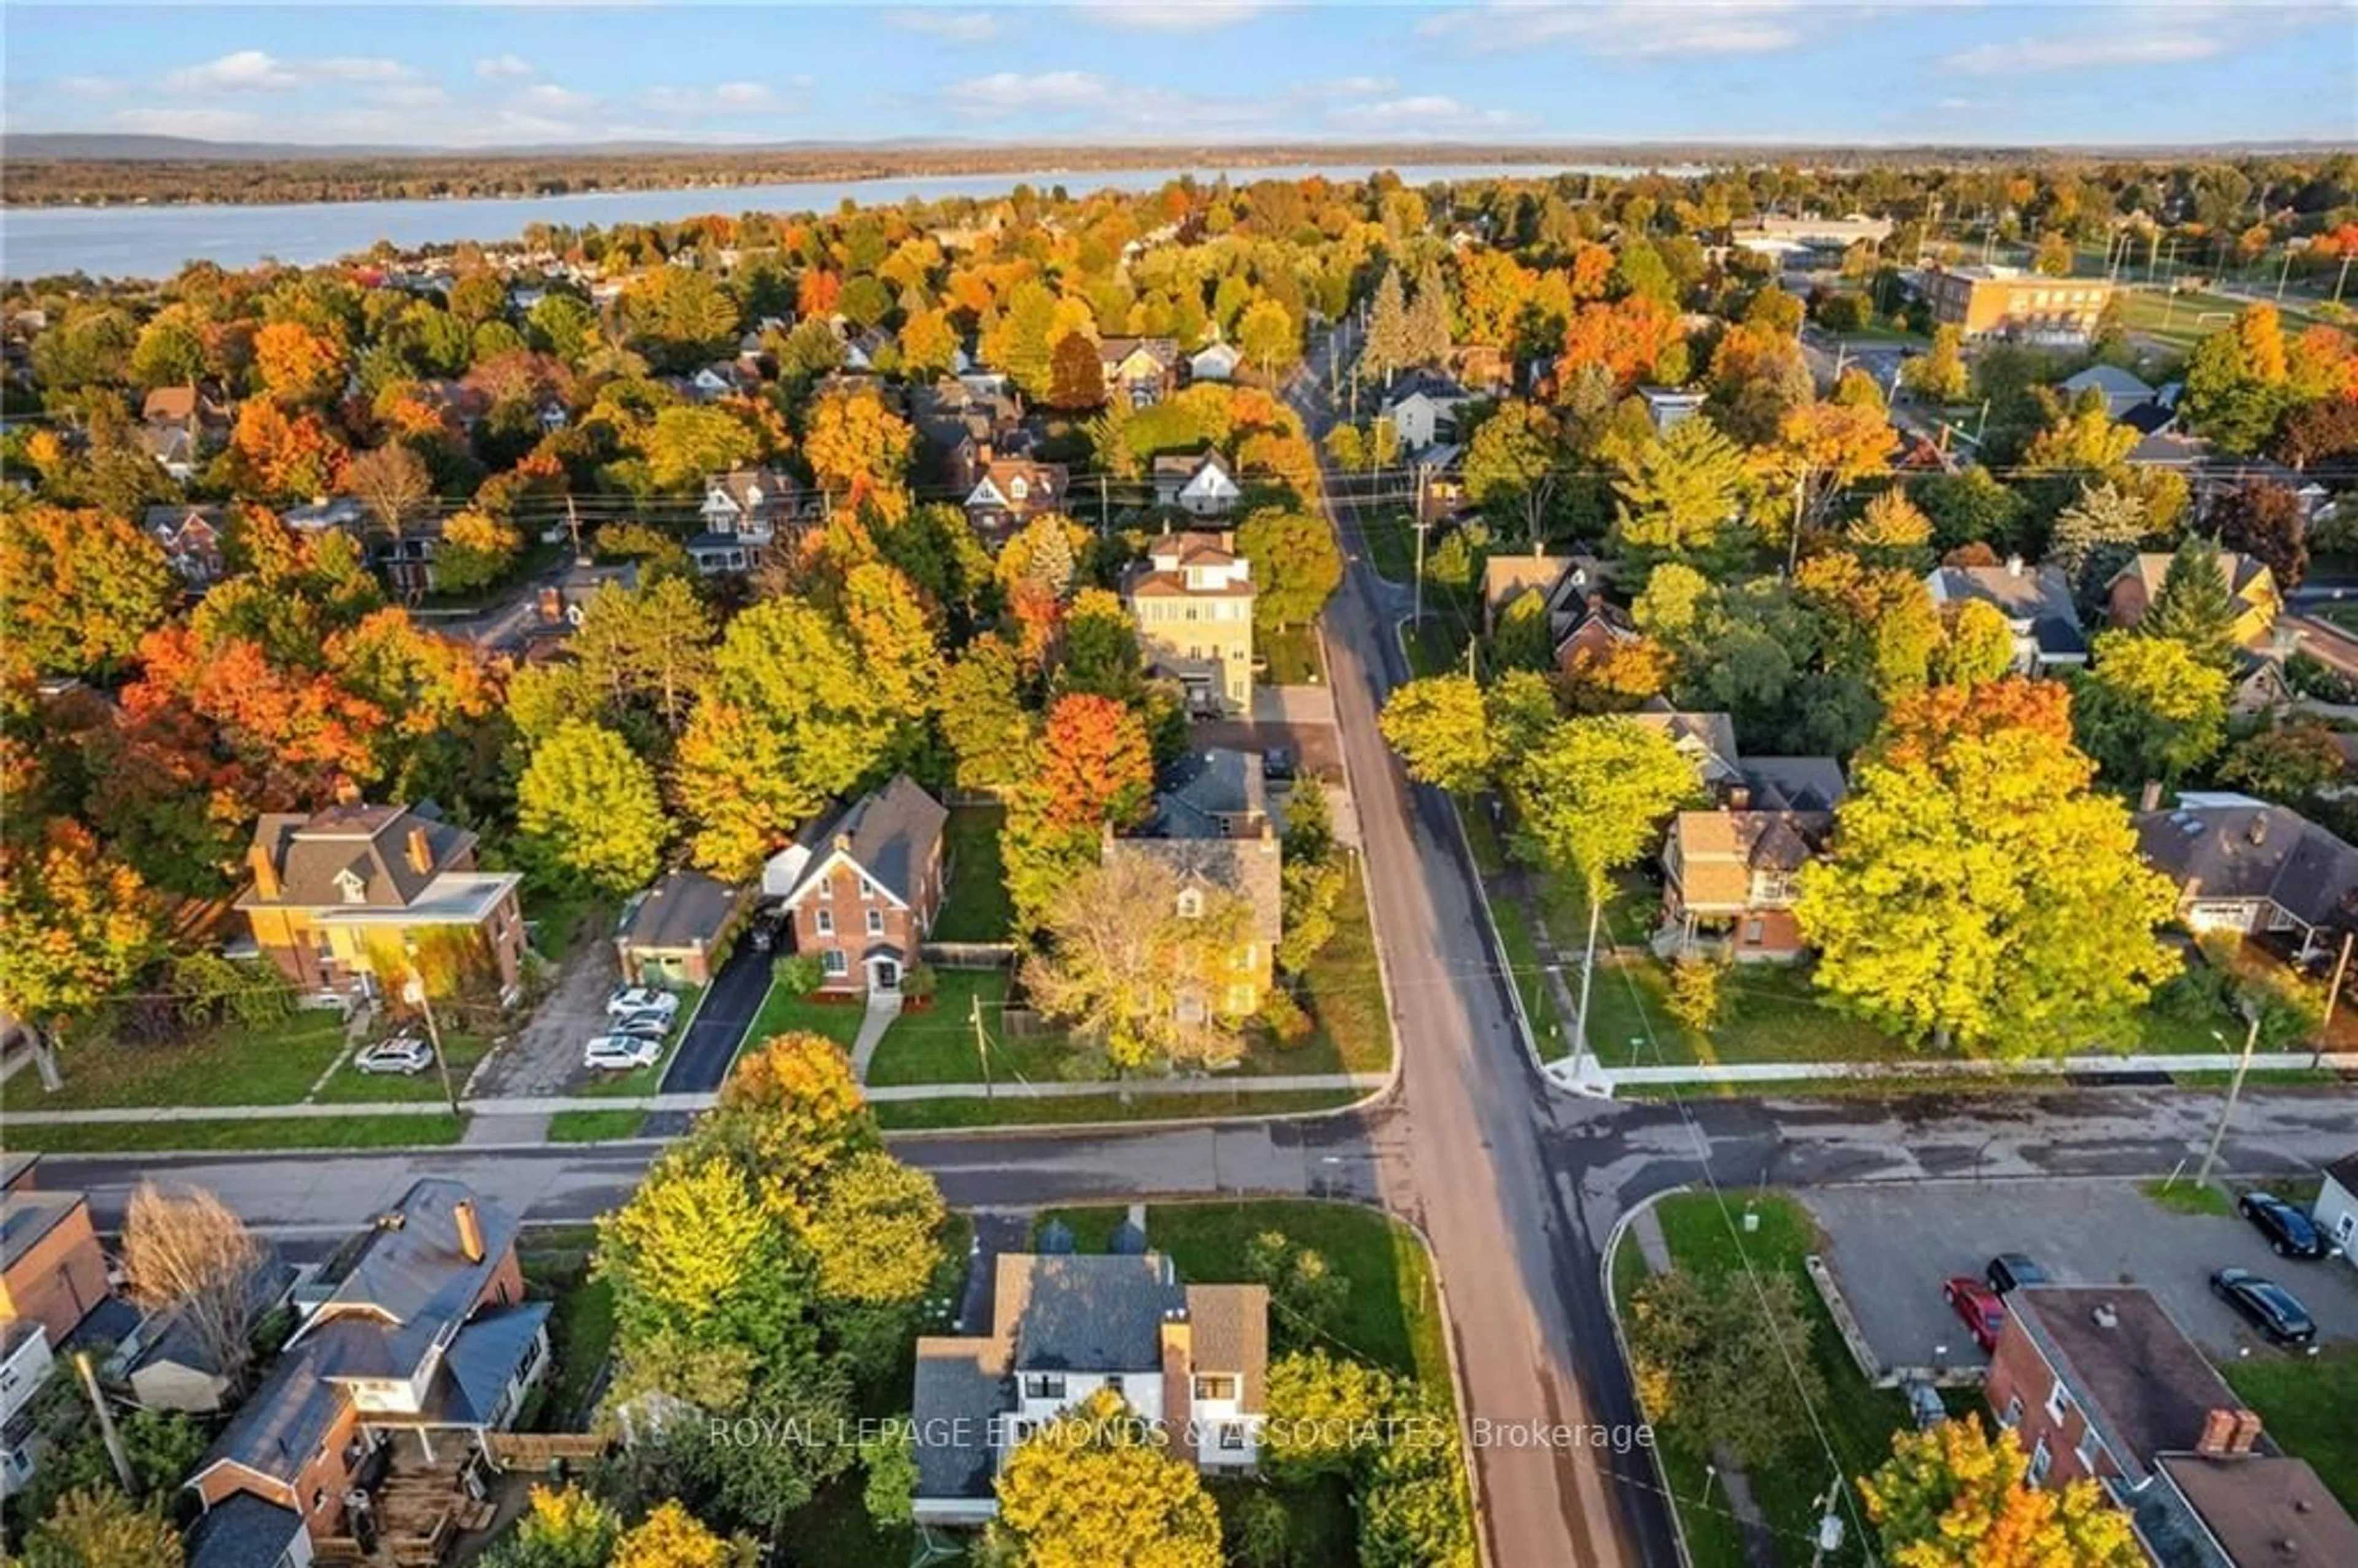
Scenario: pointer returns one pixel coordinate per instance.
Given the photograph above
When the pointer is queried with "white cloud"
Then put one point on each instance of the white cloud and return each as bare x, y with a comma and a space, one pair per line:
1108, 107
503, 68
955, 26
2084, 52
351, 68
1171, 16
548, 96
91, 86
728, 98
1425, 115
408, 95
1637, 28
1009, 92
214, 125
247, 70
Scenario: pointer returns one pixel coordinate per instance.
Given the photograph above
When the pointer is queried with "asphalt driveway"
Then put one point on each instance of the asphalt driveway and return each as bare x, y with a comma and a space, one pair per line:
1892, 1245
701, 1059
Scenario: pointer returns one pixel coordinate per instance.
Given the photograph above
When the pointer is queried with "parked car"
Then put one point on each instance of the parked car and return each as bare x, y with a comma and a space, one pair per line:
1280, 763
2292, 1233
1978, 1307
402, 1053
640, 1025
2268, 1306
2012, 1270
1924, 1404
640, 998
621, 1053
766, 929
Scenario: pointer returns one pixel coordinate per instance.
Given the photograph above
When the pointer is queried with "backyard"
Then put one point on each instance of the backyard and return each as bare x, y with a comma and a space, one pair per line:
975, 908
2307, 1406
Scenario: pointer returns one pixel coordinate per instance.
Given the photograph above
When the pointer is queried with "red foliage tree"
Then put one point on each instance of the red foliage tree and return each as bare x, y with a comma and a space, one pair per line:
1095, 764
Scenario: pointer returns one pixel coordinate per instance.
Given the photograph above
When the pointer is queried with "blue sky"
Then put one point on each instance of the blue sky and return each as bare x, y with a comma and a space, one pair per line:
1191, 70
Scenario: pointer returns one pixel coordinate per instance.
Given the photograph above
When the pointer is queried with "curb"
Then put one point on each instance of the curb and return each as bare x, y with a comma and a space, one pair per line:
1606, 1254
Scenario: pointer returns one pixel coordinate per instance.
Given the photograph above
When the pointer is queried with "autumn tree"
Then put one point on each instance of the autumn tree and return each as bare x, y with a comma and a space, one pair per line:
98, 1527
1891, 527
671, 1537
1633, 339
78, 591
2149, 709
647, 649
1979, 892
2194, 606
2264, 521
1956, 1496
1386, 349
1095, 765
1075, 375
476, 549
1267, 337
79, 924
859, 450
1938, 374
1725, 1362
1510, 465
982, 716
1296, 566
1098, 1487
2101, 529
1120, 959
589, 805
2290, 762
277, 455
2235, 382
1438, 726
1976, 645
189, 1256
571, 1528
1679, 497
296, 366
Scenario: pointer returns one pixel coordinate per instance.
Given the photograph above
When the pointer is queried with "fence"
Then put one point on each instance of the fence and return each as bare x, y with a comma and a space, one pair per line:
538, 1450
967, 954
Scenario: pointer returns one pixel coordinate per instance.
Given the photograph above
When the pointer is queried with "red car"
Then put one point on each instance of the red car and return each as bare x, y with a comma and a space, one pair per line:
1978, 1307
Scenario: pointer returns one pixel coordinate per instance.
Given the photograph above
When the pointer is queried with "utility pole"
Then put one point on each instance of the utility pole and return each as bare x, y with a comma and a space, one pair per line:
2343, 278
1418, 615
112, 1438
573, 525
414, 993
1829, 1525
2284, 275
981, 1043
1105, 508
1469, 658
2234, 1090
1793, 545
2332, 996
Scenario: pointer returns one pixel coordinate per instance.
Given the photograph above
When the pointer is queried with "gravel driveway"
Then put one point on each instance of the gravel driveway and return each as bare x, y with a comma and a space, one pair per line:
544, 1057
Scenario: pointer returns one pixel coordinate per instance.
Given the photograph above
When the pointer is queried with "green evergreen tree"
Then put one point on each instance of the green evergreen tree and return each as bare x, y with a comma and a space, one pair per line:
2194, 606
1387, 347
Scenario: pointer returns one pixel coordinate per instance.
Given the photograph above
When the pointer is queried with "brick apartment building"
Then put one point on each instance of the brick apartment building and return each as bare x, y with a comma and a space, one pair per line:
2002, 302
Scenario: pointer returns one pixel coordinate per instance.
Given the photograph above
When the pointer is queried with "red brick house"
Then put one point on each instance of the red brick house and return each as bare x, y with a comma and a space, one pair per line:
1730, 880
861, 886
1009, 492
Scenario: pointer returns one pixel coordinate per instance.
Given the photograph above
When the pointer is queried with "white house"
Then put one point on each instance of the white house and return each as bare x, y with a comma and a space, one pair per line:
1668, 407
1424, 407
25, 1362
1215, 361
1200, 486
1191, 1361
2336, 1208
741, 513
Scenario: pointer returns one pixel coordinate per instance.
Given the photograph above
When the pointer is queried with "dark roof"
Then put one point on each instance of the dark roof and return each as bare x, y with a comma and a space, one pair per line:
483, 1360
409, 1266
1713, 733
308, 853
2146, 1387
1215, 783
26, 1216
1794, 783
2149, 418
890, 834
2265, 1510
110, 1322
2344, 1173
1251, 868
1086, 1314
282, 1421
16, 1166
178, 1343
2041, 596
684, 909
243, 1530
961, 1391
2237, 849
1431, 383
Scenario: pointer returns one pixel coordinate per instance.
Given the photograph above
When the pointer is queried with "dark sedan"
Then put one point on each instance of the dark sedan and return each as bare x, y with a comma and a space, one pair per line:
2292, 1233
2266, 1307
2012, 1270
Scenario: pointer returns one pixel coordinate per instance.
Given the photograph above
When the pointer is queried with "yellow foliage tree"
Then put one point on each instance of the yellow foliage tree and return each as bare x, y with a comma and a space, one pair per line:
1955, 1498
1097, 1487
671, 1537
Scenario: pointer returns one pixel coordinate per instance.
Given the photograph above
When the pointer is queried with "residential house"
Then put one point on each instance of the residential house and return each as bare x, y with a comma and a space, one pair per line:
2222, 477
678, 931
2097, 1382
418, 1324
1668, 407
1774, 235
2036, 601
190, 538
181, 426
2121, 390
964, 429
1706, 739
864, 349
2336, 1208
461, 406
1143, 370
1590, 630
1731, 879
561, 604
1215, 361
2006, 302
51, 1272
1422, 407
1249, 868
167, 1362
325, 514
1219, 794
1193, 600
862, 885
1482, 367
742, 515
405, 561
245, 1531
1201, 486
1191, 1360
25, 1361
721, 378
2248, 579
1011, 490
2166, 448
553, 416
2246, 866
336, 893
1564, 582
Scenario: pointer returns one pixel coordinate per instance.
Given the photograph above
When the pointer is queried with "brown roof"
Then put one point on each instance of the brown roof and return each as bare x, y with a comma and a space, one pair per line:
1230, 1334
2145, 1386
2246, 576
308, 854
1251, 868
2268, 1511
1720, 850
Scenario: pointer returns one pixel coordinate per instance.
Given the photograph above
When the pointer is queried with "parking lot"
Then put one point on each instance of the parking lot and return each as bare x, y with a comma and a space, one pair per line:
1892, 1245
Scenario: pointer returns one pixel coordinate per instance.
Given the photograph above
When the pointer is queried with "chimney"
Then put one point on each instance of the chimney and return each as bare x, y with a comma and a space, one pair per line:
1739, 798
347, 792
2218, 1430
2257, 832
1229, 540
843, 842
2150, 798
421, 849
1178, 1348
471, 1229
2246, 1433
266, 869
2107, 1315
2013, 565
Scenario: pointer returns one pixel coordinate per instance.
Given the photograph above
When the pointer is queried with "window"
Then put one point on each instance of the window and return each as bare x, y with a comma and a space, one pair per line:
875, 921
2090, 1446
831, 962
1752, 929
318, 1498
1044, 1386
1113, 1382
823, 920
1232, 1437
1017, 489
1191, 1007
1191, 903
1216, 1387
867, 889
2059, 1402
2041, 1461
2012, 1416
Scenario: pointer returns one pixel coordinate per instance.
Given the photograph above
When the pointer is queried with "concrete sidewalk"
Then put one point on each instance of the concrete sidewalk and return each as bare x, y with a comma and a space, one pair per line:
1594, 1078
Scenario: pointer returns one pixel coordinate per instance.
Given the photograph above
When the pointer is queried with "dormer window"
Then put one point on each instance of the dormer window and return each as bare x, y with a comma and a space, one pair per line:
1017, 488
349, 883
752, 495
1191, 903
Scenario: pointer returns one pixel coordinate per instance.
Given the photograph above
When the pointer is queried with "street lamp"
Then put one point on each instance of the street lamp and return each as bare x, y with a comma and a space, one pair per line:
413, 991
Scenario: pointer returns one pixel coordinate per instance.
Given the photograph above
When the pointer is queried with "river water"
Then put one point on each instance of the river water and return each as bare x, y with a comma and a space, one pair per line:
156, 242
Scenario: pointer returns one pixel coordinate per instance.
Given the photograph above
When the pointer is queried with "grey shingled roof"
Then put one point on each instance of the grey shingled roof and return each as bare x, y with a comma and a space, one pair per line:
414, 1270
482, 1360
2041, 596
2145, 1386
1220, 782
2264, 1510
1250, 868
284, 1420
1794, 783
181, 1345
1085, 1314
27, 1217
961, 1389
680, 912
243, 1530
373, 842
890, 834
2252, 851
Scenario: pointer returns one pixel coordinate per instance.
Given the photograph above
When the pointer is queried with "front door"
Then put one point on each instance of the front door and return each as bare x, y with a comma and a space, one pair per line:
884, 973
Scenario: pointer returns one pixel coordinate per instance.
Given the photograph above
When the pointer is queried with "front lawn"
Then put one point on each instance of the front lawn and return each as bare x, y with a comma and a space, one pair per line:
1291, 656
276, 1132
975, 907
2306, 1405
1005, 1111
786, 1013
1351, 1026
1527, 969
349, 1085
937, 1046
594, 1126
229, 1065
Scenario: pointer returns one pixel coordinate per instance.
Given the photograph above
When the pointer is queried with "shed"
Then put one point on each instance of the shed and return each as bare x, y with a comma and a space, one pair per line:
677, 932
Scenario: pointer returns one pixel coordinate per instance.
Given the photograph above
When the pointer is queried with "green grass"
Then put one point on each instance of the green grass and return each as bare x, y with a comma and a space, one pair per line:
2186, 1196
1551, 1031
1433, 649
1629, 912
1857, 1420
580, 1329
976, 908
594, 1126
560, 920
1392, 1318
2305, 1403
229, 1065
288, 1132
2342, 616
970, 1112
2182, 322
784, 1014
349, 1085
937, 1046
1321, 1525
1351, 1023
1290, 654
